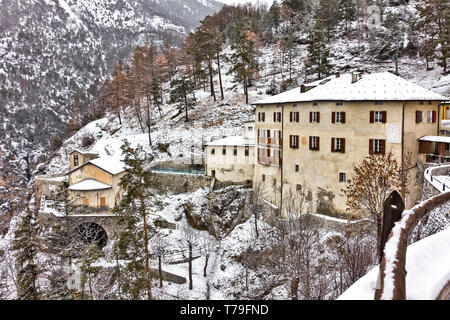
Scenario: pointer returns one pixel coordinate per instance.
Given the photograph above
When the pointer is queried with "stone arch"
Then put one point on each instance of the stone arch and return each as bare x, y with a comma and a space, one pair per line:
90, 232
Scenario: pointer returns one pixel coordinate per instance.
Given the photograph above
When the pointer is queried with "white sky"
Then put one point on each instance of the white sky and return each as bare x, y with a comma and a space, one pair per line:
269, 2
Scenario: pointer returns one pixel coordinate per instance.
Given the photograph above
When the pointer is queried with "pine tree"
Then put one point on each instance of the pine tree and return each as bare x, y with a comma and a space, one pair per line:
89, 256
434, 21
318, 52
133, 241
243, 60
26, 247
347, 11
181, 88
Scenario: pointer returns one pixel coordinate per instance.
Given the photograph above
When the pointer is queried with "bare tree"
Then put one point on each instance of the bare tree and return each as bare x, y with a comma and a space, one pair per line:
298, 248
190, 239
371, 183
256, 204
207, 246
351, 254
159, 245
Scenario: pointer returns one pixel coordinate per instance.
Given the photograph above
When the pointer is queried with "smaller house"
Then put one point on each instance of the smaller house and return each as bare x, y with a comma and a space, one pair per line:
95, 181
232, 159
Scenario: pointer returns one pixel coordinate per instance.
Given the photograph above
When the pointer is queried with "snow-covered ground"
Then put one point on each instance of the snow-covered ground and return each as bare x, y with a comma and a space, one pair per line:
427, 267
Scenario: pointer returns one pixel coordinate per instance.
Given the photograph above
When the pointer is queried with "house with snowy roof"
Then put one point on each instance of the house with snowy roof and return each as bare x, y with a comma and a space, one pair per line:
232, 159
311, 137
94, 181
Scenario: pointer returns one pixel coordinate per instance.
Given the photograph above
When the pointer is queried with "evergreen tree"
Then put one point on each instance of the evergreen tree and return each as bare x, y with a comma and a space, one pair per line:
347, 11
26, 248
89, 256
181, 88
243, 59
318, 52
434, 21
133, 241
327, 13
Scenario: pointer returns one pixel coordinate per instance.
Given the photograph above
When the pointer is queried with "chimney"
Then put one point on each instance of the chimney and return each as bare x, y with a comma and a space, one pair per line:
354, 77
338, 75
302, 88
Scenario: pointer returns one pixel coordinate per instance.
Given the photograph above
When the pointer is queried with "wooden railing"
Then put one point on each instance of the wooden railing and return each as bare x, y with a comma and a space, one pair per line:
391, 281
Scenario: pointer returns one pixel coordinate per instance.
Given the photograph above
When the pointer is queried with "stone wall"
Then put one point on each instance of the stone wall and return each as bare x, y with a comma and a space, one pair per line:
177, 183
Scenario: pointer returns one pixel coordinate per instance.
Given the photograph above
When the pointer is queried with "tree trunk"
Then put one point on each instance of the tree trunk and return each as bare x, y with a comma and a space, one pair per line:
246, 278
160, 271
245, 89
147, 265
256, 225
139, 116
149, 123
220, 76
190, 267
206, 265
211, 81
294, 288
186, 106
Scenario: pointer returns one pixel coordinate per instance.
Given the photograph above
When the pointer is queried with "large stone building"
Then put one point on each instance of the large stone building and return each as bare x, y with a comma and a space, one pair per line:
311, 137
232, 159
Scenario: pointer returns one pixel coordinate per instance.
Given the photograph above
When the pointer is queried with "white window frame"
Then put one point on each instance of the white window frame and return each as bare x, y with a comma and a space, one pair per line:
277, 116
294, 141
429, 116
342, 177
314, 116
378, 116
314, 143
337, 144
339, 116
376, 146
294, 117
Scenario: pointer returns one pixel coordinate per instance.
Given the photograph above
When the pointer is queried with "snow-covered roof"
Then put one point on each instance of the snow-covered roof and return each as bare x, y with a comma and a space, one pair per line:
89, 185
435, 139
110, 164
232, 141
376, 86
83, 151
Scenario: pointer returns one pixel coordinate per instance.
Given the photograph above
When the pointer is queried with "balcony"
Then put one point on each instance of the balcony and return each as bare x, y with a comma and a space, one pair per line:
270, 141
271, 161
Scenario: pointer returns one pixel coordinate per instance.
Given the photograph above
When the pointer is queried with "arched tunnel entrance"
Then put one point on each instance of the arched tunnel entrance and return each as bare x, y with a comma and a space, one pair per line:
91, 232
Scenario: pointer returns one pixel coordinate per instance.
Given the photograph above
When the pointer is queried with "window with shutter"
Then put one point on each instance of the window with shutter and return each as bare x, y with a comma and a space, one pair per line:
419, 116
372, 116
370, 146
383, 116
378, 116
333, 117
343, 117
434, 116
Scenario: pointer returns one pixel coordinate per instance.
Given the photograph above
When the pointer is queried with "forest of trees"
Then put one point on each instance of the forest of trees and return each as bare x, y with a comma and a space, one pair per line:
247, 28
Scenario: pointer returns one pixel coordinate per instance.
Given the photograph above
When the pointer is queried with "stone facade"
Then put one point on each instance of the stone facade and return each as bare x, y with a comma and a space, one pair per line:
287, 161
